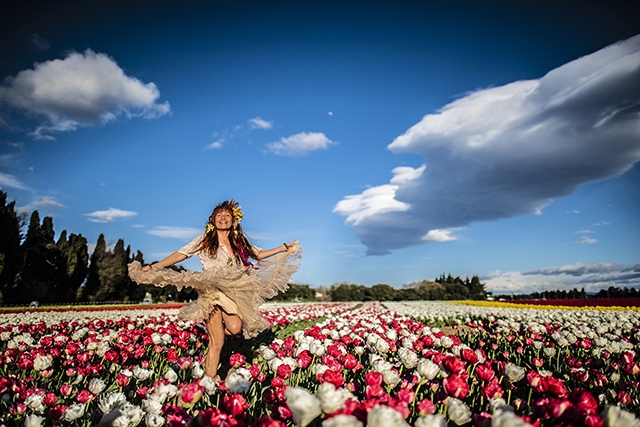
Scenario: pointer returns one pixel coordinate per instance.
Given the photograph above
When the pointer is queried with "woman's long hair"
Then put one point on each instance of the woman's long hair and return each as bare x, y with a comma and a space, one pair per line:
242, 249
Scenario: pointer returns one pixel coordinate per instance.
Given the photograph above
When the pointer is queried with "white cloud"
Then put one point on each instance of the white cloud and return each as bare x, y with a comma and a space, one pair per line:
215, 145
577, 269
511, 150
377, 200
82, 89
184, 233
300, 144
258, 123
110, 215
592, 277
584, 240
439, 236
8, 180
586, 231
43, 202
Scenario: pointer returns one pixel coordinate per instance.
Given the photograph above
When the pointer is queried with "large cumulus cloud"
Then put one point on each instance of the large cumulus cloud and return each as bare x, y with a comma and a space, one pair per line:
507, 151
82, 89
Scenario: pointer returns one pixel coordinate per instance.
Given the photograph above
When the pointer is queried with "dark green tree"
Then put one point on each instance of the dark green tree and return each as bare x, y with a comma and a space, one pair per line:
75, 255
90, 289
381, 292
40, 273
11, 224
112, 274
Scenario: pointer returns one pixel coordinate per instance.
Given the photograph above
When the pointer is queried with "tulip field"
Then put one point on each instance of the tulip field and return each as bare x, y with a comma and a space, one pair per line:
389, 364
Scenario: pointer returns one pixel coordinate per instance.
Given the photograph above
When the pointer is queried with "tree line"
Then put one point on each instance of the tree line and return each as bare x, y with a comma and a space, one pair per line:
442, 288
610, 292
35, 267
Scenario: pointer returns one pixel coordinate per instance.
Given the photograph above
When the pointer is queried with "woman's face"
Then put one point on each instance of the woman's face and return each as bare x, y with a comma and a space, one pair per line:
223, 219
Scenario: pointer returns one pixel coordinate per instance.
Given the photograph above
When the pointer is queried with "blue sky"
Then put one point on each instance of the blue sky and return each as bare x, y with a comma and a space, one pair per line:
396, 140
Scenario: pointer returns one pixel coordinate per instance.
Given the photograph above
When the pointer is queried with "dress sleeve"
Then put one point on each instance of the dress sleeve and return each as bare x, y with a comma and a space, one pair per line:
191, 248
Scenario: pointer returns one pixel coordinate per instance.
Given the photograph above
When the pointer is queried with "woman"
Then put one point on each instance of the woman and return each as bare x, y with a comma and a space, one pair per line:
230, 288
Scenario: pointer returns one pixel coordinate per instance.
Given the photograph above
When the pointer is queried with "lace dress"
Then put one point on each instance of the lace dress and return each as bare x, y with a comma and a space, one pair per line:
226, 283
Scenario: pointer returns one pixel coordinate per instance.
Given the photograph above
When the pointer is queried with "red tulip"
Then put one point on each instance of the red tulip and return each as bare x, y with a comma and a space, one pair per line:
284, 371
554, 386
236, 360
84, 396
50, 398
334, 378
304, 359
584, 401
455, 386
372, 391
454, 364
266, 421
281, 411
123, 380
56, 412
235, 404
66, 389
624, 397
469, 355
350, 361
593, 421
191, 393
484, 373
492, 389
373, 378
426, 407
172, 354
406, 395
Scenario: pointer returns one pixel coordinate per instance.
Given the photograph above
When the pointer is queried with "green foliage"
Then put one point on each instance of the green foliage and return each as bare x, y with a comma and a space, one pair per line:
11, 224
448, 288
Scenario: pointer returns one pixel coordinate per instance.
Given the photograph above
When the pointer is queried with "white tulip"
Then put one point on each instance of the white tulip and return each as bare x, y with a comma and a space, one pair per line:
427, 369
236, 383
96, 386
458, 412
435, 420
614, 416
141, 374
73, 412
40, 363
304, 406
154, 420
384, 416
342, 420
152, 406
33, 421
332, 399
506, 418
171, 376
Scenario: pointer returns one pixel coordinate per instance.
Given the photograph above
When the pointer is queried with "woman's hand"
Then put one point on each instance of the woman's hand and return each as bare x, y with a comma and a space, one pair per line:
287, 246
147, 268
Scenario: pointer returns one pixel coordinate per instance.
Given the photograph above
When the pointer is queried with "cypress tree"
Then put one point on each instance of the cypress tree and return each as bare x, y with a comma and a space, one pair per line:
11, 224
39, 277
89, 291
76, 259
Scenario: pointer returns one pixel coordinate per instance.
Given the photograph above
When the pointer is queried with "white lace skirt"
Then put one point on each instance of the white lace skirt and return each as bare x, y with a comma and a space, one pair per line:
235, 289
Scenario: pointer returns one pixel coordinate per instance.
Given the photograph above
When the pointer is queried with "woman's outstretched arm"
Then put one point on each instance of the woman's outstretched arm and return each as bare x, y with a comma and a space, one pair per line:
167, 262
271, 252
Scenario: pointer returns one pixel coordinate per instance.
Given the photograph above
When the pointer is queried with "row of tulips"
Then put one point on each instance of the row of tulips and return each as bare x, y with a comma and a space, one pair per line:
369, 366
73, 367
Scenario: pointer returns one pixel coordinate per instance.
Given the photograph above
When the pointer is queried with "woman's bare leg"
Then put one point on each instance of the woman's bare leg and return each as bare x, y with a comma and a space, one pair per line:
216, 332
